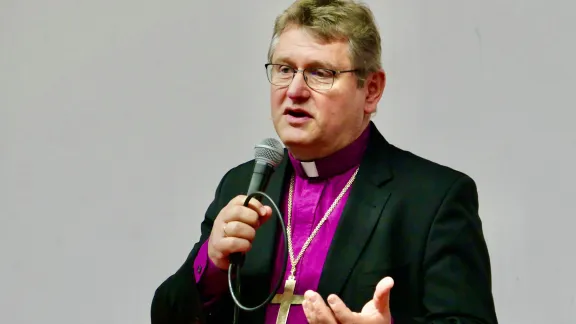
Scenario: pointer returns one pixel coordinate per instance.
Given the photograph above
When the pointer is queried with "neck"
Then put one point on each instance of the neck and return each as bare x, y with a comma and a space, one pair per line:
335, 163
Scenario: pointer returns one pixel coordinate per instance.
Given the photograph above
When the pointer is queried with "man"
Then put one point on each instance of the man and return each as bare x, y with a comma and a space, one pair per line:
377, 234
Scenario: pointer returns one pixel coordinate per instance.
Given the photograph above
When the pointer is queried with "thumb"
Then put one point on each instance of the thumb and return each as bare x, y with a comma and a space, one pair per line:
382, 295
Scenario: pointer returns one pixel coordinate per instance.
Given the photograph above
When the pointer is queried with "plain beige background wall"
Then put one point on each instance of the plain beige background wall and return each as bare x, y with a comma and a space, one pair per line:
111, 123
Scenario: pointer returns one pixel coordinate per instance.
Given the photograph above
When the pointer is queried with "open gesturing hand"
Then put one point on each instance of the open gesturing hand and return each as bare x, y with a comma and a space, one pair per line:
376, 311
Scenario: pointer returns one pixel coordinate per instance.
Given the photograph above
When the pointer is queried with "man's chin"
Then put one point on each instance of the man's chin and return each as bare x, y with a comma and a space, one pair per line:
295, 138
294, 135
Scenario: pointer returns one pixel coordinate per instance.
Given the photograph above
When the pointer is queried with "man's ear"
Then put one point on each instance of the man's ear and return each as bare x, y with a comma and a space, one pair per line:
374, 85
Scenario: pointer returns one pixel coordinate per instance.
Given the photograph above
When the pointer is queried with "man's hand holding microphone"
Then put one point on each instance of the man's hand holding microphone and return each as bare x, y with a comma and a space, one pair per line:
234, 229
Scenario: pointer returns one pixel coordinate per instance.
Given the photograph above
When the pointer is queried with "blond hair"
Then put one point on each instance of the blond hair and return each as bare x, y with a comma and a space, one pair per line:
332, 20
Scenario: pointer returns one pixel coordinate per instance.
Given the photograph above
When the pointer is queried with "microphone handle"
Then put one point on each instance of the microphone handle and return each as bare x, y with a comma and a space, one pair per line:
260, 178
259, 182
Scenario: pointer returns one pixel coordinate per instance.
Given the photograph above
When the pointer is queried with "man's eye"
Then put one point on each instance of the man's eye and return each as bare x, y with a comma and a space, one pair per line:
321, 73
285, 69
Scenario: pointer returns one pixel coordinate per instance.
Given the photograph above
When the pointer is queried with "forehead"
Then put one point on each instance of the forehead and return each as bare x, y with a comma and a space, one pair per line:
298, 47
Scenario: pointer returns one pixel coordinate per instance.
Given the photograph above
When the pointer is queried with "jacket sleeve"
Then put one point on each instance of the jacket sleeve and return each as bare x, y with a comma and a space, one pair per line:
457, 275
180, 298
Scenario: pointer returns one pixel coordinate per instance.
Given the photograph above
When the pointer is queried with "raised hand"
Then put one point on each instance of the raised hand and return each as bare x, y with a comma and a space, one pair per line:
376, 311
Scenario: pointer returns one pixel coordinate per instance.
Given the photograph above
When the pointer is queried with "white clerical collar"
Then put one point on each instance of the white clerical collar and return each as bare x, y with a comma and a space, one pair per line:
310, 169
336, 163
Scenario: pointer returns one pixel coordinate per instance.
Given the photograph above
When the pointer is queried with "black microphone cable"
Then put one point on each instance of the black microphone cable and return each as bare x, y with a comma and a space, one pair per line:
237, 262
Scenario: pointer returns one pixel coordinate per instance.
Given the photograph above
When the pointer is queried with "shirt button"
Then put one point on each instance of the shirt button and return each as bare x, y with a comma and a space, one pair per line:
199, 269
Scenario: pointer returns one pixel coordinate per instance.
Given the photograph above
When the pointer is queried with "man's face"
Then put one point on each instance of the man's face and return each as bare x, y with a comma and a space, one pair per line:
315, 123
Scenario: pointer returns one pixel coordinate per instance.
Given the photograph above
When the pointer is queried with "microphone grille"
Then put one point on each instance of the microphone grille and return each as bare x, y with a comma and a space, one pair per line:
269, 151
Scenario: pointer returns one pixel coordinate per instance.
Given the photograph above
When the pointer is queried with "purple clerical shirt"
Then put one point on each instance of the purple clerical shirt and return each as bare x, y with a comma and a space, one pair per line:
317, 185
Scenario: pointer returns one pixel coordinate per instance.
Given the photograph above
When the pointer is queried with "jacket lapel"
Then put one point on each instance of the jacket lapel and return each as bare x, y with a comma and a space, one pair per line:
361, 213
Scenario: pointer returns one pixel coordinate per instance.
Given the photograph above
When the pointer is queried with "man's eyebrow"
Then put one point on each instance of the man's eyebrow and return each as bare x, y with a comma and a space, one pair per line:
321, 64
311, 64
283, 60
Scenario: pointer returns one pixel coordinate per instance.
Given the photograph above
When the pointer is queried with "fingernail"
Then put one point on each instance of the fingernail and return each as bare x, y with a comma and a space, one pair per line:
331, 300
312, 298
262, 211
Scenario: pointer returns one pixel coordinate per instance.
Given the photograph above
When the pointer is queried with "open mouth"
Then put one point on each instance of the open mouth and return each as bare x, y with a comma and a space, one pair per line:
298, 113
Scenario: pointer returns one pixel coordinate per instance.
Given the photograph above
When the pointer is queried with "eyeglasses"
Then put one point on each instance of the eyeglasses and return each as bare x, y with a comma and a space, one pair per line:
316, 78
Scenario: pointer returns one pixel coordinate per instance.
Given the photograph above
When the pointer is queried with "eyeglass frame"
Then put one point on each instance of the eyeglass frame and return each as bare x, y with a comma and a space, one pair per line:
296, 71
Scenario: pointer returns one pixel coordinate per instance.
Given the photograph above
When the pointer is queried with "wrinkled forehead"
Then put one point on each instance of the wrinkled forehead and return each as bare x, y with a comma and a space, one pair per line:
300, 48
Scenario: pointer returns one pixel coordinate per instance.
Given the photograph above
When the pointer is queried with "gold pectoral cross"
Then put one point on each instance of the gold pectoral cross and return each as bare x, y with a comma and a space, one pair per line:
287, 299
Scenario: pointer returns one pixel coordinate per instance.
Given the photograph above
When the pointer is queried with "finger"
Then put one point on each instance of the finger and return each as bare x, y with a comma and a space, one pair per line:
239, 230
318, 311
382, 295
253, 204
229, 245
242, 214
341, 312
267, 214
309, 312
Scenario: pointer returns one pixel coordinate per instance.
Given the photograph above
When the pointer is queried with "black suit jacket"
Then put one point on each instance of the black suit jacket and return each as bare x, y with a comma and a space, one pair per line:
406, 217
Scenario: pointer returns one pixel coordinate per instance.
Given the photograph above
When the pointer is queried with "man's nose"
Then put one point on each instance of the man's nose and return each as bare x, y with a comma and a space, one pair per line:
298, 88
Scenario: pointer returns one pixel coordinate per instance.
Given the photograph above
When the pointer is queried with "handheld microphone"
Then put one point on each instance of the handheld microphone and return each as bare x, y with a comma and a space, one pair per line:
268, 154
